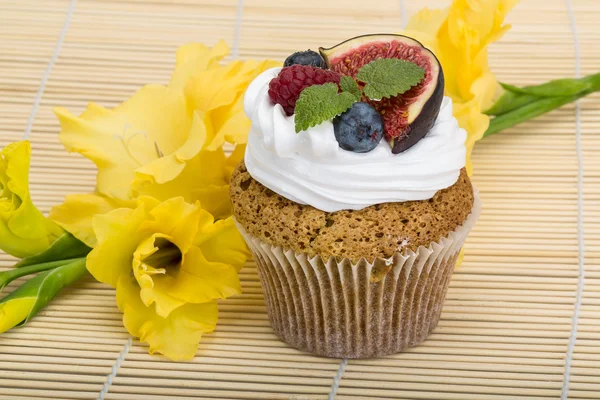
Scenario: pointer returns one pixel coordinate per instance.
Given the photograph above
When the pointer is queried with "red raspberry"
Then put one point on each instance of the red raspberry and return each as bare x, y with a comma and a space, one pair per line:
286, 87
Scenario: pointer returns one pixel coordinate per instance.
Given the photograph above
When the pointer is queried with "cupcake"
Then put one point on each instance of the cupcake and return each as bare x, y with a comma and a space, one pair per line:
353, 196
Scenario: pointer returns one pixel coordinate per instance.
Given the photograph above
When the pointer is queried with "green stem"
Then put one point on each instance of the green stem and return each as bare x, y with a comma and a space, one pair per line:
518, 105
558, 87
65, 247
7, 277
510, 101
42, 289
530, 111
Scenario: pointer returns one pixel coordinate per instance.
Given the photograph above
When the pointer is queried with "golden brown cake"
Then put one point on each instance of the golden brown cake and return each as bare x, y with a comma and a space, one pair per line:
377, 231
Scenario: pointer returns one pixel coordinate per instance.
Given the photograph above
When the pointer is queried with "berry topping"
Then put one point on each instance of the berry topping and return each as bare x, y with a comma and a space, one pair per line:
307, 57
409, 116
287, 86
359, 129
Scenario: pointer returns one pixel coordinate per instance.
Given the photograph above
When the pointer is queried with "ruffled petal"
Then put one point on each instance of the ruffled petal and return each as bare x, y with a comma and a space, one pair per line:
118, 237
168, 167
196, 281
154, 123
194, 57
202, 172
222, 242
177, 219
176, 336
76, 213
218, 93
234, 159
215, 199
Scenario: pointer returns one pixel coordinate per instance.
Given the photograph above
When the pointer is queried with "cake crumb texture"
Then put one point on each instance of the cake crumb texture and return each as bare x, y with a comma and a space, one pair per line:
377, 231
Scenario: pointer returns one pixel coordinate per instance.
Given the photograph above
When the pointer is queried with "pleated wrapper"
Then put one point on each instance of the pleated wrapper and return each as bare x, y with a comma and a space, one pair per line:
336, 308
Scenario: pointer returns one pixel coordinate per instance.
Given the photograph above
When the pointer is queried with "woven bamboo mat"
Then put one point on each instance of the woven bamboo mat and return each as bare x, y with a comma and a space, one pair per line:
514, 307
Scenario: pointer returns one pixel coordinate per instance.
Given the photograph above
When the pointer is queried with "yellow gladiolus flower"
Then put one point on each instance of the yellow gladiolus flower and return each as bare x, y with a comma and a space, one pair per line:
459, 37
155, 131
216, 95
167, 141
203, 179
24, 231
169, 262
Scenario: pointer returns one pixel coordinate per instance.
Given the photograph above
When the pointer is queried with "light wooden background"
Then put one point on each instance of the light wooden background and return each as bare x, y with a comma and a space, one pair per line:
509, 316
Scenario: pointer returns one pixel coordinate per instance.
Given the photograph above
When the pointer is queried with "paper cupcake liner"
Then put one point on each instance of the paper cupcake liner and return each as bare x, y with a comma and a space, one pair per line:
366, 309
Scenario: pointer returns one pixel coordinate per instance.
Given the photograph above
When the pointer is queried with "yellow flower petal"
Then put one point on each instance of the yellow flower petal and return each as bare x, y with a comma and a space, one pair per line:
222, 242
154, 123
206, 170
233, 125
470, 117
236, 156
176, 336
14, 311
461, 257
168, 167
425, 24
147, 276
195, 281
194, 57
118, 237
177, 219
219, 93
200, 280
230, 121
24, 231
76, 213
215, 87
215, 199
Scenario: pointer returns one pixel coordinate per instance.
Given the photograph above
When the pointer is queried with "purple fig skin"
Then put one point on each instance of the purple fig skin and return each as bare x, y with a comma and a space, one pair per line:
424, 121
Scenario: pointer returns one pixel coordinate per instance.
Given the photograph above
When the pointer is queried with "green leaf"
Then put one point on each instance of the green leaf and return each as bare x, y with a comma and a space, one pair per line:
320, 103
387, 77
518, 105
529, 111
558, 87
65, 247
39, 291
349, 85
509, 101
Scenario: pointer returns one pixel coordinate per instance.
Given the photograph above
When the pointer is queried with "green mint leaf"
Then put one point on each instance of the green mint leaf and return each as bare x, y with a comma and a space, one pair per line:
349, 85
387, 77
320, 103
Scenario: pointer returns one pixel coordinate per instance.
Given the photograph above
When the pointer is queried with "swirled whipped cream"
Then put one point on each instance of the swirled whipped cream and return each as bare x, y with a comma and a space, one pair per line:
310, 168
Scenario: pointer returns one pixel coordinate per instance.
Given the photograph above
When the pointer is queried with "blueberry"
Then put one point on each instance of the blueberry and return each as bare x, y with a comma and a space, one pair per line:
359, 129
307, 57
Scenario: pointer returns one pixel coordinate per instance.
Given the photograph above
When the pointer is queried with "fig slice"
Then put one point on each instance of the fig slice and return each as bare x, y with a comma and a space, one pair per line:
408, 117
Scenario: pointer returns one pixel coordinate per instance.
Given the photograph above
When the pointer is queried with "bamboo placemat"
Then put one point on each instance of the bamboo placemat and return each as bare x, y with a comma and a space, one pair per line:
521, 321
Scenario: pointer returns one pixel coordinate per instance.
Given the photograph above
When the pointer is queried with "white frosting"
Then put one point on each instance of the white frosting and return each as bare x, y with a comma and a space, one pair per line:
310, 168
